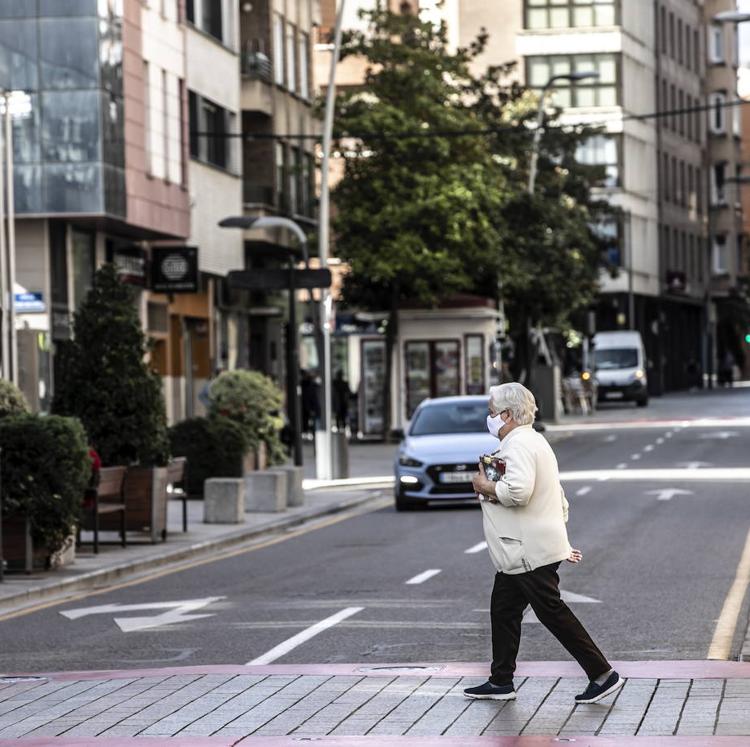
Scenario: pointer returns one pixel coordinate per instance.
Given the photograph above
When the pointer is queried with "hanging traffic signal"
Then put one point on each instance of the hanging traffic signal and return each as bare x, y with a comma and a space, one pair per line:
747, 338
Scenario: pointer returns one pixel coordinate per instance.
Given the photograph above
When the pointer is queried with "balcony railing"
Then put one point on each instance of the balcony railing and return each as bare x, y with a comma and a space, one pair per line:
256, 65
258, 194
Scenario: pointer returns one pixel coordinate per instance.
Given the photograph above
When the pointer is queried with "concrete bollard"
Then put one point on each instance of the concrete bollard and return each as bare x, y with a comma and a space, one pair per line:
295, 495
265, 491
224, 500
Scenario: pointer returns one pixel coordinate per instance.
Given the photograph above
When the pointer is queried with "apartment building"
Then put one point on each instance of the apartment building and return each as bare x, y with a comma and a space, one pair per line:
668, 171
278, 152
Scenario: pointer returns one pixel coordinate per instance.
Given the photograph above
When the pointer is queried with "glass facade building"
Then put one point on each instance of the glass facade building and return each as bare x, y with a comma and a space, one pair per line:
69, 149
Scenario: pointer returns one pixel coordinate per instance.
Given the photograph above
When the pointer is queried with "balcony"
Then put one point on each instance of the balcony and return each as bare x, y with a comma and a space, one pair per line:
257, 83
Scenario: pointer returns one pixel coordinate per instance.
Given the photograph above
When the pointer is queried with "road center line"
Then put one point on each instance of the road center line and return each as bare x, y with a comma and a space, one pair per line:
635, 457
476, 548
582, 491
659, 441
291, 643
622, 465
648, 447
420, 578
721, 643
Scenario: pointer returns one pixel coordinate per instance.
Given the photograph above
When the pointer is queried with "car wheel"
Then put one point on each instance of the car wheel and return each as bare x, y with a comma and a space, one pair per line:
407, 504
642, 402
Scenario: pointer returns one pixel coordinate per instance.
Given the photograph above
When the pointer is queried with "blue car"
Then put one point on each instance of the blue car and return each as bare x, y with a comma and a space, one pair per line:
440, 451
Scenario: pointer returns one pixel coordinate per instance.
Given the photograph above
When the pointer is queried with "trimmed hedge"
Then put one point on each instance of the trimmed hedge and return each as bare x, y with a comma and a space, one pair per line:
45, 470
214, 447
254, 402
12, 401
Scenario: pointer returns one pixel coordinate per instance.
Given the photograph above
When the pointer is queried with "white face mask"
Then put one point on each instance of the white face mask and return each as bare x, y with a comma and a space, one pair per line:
495, 424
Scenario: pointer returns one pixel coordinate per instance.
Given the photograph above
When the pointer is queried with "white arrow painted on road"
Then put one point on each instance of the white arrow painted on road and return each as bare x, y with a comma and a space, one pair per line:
723, 435
176, 612
566, 596
666, 494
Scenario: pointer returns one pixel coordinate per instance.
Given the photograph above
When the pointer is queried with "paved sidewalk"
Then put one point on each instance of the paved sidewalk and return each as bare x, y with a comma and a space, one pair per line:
201, 540
687, 702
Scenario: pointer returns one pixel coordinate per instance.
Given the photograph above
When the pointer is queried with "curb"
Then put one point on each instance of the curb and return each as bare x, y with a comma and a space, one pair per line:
55, 587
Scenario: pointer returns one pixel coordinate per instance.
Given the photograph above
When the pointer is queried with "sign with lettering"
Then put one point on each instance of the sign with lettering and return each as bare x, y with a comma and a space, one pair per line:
174, 269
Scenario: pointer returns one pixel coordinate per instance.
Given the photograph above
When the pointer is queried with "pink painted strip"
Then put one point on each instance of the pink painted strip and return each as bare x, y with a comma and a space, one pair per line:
379, 741
699, 669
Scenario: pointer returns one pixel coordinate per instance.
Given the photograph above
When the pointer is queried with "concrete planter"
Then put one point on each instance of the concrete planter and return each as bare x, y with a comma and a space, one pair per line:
19, 550
146, 502
295, 495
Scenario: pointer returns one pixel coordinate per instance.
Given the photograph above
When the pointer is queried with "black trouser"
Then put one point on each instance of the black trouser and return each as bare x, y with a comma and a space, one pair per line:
541, 589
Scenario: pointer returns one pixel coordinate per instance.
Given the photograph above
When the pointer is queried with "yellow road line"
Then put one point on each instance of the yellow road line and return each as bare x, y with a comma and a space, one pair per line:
721, 643
357, 511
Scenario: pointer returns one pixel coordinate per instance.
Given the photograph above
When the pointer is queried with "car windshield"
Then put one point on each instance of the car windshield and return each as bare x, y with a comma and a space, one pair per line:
616, 358
453, 417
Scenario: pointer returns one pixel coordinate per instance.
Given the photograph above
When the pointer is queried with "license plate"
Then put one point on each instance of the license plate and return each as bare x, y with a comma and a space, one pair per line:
455, 477
615, 395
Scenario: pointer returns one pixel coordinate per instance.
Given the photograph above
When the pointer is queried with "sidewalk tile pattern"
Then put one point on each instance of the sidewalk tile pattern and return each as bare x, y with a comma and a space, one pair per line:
233, 706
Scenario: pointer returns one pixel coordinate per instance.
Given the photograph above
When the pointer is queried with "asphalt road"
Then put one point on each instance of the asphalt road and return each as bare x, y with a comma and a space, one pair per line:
652, 584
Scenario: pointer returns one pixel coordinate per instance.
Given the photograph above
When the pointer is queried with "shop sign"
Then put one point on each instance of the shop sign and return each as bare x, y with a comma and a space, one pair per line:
174, 269
29, 303
130, 262
676, 281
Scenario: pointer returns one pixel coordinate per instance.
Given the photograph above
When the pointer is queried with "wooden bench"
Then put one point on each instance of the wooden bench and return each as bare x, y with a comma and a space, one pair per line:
105, 498
177, 487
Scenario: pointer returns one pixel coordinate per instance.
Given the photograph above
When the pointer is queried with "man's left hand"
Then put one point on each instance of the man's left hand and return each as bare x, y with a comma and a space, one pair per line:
482, 485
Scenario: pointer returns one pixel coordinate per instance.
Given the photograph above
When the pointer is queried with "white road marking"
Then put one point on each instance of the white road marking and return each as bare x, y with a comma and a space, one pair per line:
566, 596
476, 548
648, 447
659, 441
666, 494
420, 578
668, 434
615, 425
721, 643
176, 612
635, 457
582, 491
723, 435
609, 439
622, 465
723, 474
694, 465
291, 643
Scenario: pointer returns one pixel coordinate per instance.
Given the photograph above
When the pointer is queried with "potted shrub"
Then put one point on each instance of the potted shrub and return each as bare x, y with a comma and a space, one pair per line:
105, 381
45, 469
253, 401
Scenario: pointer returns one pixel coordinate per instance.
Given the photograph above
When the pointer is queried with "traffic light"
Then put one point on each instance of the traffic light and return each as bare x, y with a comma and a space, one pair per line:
747, 338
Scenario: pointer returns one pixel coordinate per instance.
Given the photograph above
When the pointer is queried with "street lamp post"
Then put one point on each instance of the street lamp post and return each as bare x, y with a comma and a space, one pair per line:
324, 450
292, 348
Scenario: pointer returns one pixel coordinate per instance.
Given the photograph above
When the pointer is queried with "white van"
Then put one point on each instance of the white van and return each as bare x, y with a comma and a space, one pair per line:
620, 367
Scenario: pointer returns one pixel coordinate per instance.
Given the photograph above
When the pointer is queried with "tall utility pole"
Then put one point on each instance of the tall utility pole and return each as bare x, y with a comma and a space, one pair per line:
11, 218
324, 445
6, 301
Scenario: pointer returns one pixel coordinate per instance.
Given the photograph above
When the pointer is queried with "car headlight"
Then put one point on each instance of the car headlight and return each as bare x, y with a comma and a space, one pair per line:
639, 374
406, 461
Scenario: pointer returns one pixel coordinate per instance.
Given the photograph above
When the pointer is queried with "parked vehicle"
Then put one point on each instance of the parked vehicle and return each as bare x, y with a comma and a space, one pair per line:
440, 451
620, 367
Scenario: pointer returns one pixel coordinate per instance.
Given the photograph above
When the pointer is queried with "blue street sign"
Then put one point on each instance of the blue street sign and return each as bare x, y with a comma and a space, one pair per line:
29, 303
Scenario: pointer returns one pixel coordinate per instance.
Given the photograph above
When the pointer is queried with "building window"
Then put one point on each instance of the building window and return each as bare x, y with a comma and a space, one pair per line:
719, 252
212, 18
683, 192
84, 260
291, 51
667, 185
601, 91
681, 115
696, 52
190, 10
209, 127
304, 63
560, 14
716, 113
278, 50
280, 168
718, 183
663, 30
671, 35
689, 116
673, 107
295, 176
736, 121
601, 150
688, 51
679, 40
716, 43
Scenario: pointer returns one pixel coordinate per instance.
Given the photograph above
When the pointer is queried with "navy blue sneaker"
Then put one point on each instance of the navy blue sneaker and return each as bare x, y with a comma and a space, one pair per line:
594, 693
488, 691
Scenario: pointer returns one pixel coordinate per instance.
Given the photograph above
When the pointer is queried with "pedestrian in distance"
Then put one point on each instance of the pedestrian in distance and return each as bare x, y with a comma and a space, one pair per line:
341, 396
524, 516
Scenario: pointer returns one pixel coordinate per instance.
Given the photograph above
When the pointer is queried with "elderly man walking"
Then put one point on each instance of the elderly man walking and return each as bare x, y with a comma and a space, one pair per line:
524, 515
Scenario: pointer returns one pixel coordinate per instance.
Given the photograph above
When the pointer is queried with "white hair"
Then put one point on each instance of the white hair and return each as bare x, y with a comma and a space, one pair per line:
515, 398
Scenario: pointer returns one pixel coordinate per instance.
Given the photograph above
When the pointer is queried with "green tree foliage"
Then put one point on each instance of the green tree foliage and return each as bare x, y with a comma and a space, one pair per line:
254, 402
105, 381
45, 469
433, 199
12, 401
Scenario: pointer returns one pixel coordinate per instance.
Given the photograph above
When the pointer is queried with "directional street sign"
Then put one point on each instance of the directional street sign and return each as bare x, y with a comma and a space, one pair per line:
176, 612
278, 279
666, 494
